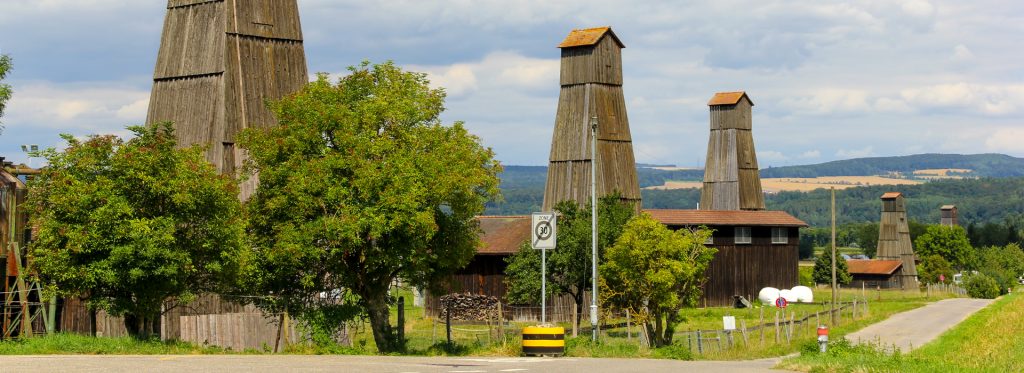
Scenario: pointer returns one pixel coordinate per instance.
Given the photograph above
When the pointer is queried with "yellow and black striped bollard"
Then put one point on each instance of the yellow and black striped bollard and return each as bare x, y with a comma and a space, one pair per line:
543, 341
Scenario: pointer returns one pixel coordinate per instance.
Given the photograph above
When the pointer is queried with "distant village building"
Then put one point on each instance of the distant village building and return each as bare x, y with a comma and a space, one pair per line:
949, 216
731, 176
894, 238
219, 62
885, 274
591, 80
755, 249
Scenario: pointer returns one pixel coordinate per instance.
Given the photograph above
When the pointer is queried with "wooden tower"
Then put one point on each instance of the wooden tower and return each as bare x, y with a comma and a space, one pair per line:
731, 178
894, 238
591, 80
219, 62
949, 216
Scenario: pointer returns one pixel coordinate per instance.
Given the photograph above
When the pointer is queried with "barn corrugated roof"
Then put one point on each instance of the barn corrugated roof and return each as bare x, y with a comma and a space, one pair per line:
873, 267
891, 195
724, 217
728, 98
502, 235
588, 36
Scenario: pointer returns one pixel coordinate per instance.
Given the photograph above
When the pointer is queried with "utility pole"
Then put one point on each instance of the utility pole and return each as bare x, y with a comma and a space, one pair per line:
833, 313
593, 226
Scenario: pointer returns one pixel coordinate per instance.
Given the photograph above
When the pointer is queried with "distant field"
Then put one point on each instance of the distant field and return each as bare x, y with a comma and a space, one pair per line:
803, 184
941, 173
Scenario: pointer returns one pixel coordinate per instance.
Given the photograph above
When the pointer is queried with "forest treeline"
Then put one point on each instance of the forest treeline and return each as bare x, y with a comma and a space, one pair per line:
981, 165
980, 201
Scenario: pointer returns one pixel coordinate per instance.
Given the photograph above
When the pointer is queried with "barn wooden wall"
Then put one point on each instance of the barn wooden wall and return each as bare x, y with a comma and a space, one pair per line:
591, 79
745, 269
219, 63
731, 178
894, 239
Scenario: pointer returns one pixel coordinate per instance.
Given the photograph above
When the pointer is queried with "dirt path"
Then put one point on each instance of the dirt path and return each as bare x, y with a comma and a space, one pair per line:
912, 329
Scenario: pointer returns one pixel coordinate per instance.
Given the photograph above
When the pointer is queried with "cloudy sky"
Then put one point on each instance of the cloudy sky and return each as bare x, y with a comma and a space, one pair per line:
830, 80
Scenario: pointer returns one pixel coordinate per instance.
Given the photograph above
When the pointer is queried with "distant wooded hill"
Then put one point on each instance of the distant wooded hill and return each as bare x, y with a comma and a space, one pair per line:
981, 165
997, 195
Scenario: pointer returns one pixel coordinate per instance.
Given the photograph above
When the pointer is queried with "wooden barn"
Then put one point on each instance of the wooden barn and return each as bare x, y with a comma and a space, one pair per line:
22, 310
218, 64
501, 236
875, 274
731, 177
894, 238
591, 81
755, 249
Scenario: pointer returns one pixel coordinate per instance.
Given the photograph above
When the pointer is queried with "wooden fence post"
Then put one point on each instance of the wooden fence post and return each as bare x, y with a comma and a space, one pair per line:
629, 328
401, 321
700, 344
746, 339
501, 324
777, 336
448, 322
761, 326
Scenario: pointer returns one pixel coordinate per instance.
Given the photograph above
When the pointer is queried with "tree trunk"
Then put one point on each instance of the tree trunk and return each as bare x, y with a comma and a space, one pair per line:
138, 327
578, 298
92, 322
380, 323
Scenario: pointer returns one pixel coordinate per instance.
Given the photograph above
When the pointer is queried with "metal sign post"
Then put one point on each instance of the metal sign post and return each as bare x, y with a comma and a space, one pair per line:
543, 237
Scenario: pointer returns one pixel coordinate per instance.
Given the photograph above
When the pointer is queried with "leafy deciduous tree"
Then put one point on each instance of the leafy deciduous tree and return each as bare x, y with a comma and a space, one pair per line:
823, 269
569, 267
130, 224
654, 272
5, 89
361, 184
951, 243
934, 269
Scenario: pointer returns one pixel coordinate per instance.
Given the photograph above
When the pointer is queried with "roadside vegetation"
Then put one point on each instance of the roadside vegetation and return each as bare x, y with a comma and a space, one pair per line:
74, 344
990, 340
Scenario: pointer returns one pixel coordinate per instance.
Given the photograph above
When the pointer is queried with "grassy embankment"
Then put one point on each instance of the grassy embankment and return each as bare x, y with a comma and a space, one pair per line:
990, 340
73, 344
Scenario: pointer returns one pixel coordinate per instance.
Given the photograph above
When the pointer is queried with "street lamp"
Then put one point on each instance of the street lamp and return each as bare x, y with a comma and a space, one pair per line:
593, 225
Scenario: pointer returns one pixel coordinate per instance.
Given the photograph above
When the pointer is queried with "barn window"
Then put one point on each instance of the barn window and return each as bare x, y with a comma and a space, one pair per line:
743, 235
780, 235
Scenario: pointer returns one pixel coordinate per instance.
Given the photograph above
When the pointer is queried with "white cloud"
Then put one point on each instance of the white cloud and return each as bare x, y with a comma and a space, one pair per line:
89, 107
962, 54
978, 98
811, 154
498, 70
771, 156
856, 153
1006, 140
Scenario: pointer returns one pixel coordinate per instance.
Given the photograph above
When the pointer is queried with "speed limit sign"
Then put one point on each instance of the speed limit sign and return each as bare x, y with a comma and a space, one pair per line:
544, 230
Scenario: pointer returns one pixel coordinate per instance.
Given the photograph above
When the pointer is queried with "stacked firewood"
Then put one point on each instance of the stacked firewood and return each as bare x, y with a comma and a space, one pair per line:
469, 307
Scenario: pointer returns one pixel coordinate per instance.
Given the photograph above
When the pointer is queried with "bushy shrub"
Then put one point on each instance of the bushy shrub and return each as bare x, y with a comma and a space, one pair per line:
981, 286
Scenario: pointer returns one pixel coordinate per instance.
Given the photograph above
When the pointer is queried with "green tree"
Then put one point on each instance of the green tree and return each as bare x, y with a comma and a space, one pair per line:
951, 243
569, 267
933, 267
823, 269
1004, 264
654, 272
5, 89
867, 238
981, 286
128, 225
360, 185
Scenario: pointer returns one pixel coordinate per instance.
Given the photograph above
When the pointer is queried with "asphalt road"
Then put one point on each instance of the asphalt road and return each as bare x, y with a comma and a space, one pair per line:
912, 329
388, 364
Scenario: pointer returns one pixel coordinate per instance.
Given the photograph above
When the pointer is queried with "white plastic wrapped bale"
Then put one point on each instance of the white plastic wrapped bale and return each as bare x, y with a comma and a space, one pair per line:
788, 295
803, 294
768, 295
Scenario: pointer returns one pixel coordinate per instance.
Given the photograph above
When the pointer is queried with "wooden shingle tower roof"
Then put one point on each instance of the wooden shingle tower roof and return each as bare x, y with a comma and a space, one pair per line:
588, 37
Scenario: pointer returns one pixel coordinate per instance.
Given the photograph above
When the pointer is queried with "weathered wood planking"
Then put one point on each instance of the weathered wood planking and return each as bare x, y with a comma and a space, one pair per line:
894, 238
591, 79
219, 63
745, 269
731, 177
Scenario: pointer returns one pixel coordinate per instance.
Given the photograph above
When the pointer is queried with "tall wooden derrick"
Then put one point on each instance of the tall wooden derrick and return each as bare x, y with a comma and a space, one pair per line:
23, 305
894, 238
219, 62
948, 216
731, 179
591, 80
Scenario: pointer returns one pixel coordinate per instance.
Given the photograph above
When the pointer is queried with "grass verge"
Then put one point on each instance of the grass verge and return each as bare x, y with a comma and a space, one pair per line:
990, 340
71, 344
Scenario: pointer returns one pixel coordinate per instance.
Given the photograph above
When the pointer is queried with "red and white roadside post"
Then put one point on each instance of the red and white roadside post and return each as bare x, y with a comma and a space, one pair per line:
822, 338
